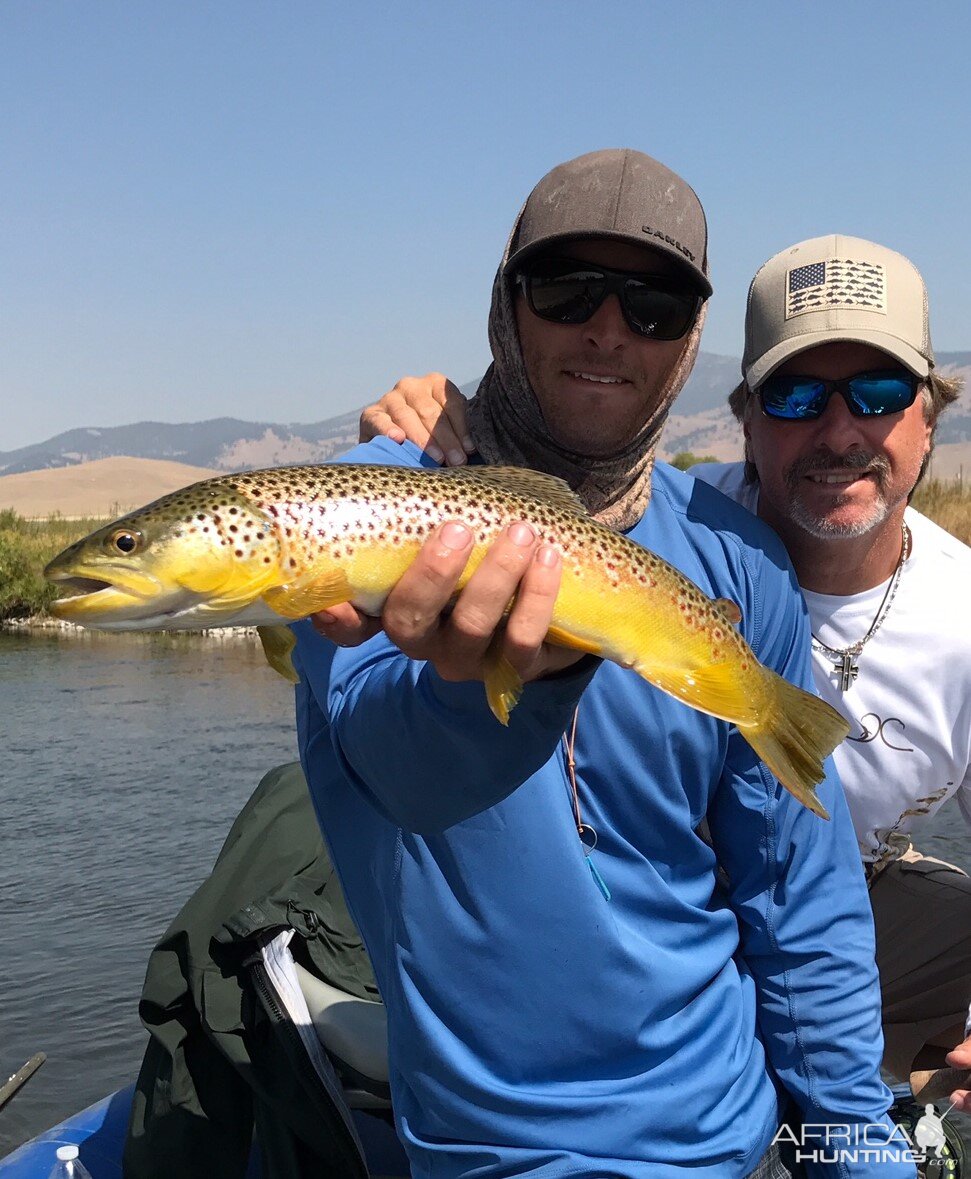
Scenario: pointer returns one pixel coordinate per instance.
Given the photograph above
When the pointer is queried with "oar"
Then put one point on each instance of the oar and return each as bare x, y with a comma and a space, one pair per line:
21, 1077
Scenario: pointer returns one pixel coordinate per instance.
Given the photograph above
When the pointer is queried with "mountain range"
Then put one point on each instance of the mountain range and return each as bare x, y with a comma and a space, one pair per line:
702, 423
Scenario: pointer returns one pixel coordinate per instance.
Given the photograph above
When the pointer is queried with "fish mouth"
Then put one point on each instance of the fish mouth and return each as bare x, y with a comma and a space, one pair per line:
99, 594
80, 587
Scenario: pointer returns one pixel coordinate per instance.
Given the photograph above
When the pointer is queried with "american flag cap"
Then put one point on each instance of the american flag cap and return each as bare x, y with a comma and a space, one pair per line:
836, 288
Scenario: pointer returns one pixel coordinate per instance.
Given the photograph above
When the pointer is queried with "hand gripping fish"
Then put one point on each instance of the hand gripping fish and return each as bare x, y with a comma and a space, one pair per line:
267, 547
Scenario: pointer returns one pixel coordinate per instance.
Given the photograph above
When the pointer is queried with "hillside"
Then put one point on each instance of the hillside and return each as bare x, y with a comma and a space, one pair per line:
102, 488
701, 423
226, 444
108, 487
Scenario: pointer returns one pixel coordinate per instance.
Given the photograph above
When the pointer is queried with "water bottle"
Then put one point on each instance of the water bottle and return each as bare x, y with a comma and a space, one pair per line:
68, 1165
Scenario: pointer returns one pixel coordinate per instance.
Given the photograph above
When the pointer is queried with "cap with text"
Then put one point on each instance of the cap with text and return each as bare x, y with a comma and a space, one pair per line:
835, 288
620, 194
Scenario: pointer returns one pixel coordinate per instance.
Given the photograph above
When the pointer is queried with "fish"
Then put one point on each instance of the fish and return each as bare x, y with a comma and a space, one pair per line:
266, 548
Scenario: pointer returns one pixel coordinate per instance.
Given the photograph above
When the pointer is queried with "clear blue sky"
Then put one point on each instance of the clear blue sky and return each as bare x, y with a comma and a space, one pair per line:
270, 210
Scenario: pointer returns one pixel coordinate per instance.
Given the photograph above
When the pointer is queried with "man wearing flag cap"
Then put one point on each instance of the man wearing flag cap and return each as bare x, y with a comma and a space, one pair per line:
839, 404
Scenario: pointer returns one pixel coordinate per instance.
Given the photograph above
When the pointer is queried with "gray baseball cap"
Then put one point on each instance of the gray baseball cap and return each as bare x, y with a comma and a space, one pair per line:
835, 288
617, 193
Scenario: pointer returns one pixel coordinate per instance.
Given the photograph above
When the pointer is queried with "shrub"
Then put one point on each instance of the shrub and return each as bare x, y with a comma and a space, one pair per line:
685, 459
25, 548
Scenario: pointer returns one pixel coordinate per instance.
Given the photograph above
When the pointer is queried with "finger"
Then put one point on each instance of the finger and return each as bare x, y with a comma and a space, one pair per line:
532, 613
344, 625
432, 386
484, 601
431, 396
413, 609
457, 412
960, 1057
428, 397
407, 419
961, 1099
447, 441
375, 423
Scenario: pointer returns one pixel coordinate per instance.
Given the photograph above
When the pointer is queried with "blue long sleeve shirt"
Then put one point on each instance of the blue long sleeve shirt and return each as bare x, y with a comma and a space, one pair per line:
536, 1027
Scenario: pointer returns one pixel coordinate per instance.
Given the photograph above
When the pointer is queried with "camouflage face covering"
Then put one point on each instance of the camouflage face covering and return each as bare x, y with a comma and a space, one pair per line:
507, 424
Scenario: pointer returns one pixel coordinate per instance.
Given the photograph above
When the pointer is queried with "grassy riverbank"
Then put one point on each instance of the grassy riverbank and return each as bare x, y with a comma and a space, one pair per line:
948, 503
27, 545
25, 548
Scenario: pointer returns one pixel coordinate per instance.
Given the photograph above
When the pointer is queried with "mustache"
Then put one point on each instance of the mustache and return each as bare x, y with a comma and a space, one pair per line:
828, 461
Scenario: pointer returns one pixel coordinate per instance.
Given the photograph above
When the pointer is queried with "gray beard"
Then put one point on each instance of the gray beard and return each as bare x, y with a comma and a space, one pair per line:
824, 529
820, 526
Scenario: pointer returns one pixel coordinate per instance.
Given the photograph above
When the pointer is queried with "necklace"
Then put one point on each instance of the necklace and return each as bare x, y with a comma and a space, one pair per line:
588, 836
846, 661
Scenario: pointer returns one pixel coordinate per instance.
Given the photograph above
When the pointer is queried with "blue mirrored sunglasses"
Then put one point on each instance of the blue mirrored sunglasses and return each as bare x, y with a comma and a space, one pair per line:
867, 395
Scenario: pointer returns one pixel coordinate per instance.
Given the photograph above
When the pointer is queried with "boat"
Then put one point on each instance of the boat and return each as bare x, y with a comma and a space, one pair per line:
99, 1133
344, 1040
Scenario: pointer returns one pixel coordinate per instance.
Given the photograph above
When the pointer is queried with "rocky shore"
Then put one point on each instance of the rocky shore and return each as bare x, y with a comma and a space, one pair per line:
44, 624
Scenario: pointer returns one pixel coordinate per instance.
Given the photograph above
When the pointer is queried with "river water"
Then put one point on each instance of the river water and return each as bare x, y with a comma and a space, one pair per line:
123, 762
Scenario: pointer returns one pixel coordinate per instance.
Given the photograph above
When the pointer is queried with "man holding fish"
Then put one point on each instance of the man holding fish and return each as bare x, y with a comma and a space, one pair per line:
839, 404
610, 937
570, 989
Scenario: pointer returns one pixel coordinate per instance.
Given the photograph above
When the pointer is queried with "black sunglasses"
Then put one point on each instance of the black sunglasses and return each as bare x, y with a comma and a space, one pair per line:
564, 290
867, 395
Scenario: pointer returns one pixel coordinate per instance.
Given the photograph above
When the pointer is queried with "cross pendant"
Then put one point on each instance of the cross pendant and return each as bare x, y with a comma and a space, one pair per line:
847, 669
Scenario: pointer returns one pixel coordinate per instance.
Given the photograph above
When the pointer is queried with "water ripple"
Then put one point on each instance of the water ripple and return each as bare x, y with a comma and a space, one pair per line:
124, 764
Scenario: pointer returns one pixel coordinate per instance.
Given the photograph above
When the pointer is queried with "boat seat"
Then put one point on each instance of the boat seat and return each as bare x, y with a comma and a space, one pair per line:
354, 1033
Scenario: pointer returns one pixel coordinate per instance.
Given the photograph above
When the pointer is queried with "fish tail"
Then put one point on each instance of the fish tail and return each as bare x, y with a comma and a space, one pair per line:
793, 736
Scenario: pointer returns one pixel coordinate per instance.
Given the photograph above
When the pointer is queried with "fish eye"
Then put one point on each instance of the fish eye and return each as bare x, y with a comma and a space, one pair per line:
123, 541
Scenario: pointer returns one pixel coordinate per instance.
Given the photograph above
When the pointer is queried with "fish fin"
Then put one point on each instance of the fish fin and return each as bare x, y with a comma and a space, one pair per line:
710, 687
728, 610
534, 484
307, 596
793, 736
502, 684
278, 643
563, 638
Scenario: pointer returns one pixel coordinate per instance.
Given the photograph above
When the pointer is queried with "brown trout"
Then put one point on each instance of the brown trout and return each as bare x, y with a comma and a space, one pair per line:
268, 547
